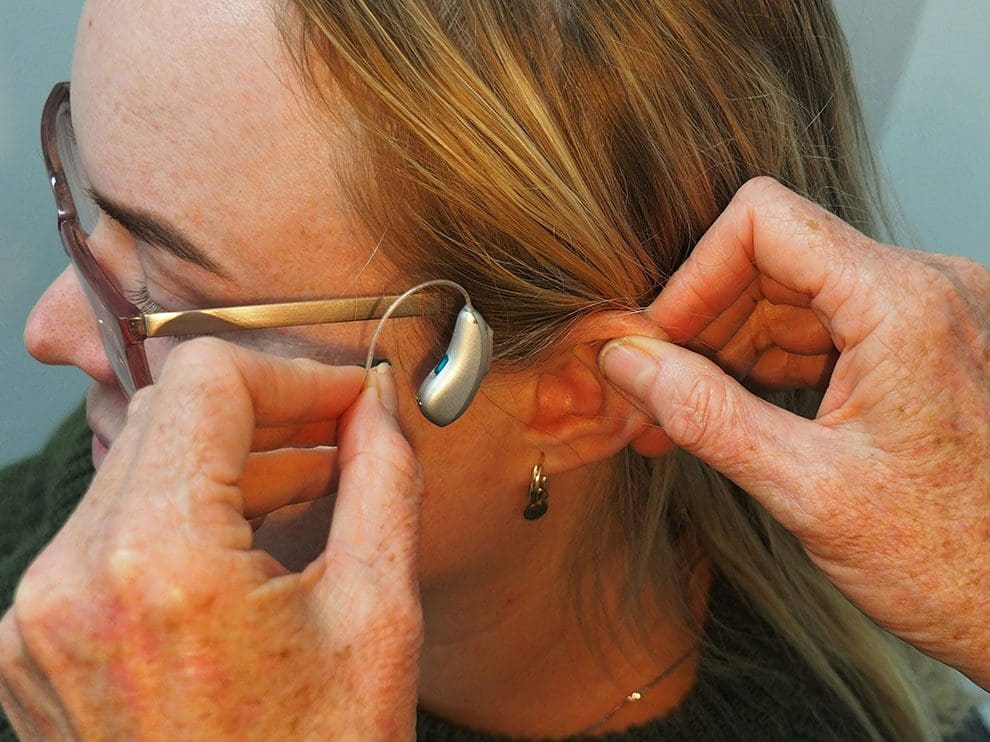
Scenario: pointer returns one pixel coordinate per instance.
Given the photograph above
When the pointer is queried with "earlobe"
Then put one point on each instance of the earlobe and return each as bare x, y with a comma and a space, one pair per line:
652, 442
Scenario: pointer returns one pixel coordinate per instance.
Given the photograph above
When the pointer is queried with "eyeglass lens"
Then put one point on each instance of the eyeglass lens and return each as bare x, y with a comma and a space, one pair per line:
88, 216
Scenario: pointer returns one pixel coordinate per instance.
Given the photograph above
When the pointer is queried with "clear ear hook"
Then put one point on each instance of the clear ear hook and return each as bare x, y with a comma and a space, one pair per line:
399, 301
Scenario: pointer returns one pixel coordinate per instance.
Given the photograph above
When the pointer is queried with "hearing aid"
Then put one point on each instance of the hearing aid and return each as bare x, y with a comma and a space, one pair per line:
450, 387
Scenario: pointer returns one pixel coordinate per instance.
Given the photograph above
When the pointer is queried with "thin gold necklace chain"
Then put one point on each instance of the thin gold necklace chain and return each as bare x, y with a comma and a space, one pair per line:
638, 694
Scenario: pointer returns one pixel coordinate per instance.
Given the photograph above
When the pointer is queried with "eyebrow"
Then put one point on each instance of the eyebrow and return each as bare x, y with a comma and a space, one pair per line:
156, 232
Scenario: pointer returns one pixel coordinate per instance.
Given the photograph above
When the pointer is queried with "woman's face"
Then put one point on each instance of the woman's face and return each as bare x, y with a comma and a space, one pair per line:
188, 114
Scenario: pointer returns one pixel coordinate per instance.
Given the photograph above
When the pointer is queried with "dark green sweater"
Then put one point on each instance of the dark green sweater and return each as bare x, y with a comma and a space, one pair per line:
768, 696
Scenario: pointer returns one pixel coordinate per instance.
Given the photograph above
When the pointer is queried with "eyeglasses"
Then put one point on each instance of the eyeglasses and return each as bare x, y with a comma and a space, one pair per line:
123, 326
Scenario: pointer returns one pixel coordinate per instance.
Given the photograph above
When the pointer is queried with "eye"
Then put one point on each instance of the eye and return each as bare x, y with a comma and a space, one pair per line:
142, 300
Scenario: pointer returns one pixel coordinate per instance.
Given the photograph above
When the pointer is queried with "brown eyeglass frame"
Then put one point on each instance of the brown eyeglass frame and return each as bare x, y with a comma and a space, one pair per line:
137, 326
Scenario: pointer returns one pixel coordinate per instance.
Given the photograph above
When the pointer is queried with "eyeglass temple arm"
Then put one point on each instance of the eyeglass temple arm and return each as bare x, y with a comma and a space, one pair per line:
264, 316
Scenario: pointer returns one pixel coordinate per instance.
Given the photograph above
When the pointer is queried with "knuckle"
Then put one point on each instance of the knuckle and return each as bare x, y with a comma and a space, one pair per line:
141, 583
197, 350
35, 594
802, 216
761, 189
774, 201
10, 645
956, 263
980, 276
124, 570
973, 279
123, 587
696, 418
939, 298
935, 282
202, 370
967, 266
38, 612
206, 357
141, 402
138, 596
138, 581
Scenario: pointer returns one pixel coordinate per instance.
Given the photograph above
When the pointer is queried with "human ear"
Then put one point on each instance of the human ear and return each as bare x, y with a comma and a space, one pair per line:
577, 416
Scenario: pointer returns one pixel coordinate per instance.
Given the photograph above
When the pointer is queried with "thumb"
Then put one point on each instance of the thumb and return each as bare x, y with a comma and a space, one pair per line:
375, 529
778, 457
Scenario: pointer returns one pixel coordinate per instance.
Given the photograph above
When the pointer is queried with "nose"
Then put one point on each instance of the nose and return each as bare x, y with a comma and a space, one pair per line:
62, 330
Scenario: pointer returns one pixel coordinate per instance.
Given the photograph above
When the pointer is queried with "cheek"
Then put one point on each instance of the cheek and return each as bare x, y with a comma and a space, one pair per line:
474, 495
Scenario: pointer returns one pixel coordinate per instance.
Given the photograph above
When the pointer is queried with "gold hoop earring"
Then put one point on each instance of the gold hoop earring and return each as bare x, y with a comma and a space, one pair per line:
538, 494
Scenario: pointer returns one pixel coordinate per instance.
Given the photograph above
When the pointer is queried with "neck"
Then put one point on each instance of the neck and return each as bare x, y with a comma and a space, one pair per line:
505, 651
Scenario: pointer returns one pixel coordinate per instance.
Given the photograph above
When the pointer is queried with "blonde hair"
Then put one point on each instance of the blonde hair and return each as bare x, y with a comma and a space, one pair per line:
559, 157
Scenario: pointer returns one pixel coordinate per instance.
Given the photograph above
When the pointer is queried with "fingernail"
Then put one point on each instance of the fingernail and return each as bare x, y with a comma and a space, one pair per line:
626, 361
382, 380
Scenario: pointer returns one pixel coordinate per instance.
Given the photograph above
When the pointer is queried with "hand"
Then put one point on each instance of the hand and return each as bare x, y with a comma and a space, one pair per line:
888, 488
149, 616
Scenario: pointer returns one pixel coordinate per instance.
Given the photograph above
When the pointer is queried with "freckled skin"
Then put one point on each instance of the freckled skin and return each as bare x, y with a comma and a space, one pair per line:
189, 109
181, 629
201, 641
889, 488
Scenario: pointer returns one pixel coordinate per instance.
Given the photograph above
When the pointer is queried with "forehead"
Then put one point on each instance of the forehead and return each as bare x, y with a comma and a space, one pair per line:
190, 109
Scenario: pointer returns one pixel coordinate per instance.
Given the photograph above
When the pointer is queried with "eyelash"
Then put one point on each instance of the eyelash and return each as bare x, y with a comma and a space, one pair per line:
138, 297
143, 301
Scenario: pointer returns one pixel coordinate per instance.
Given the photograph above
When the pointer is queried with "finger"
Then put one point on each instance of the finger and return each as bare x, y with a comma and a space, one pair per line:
197, 424
777, 457
274, 479
282, 391
13, 707
178, 464
376, 519
321, 433
25, 693
792, 330
778, 293
777, 369
721, 329
768, 231
17, 714
761, 292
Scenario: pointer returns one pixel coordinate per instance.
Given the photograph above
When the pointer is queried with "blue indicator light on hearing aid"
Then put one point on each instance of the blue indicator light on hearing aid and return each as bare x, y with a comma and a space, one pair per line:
449, 388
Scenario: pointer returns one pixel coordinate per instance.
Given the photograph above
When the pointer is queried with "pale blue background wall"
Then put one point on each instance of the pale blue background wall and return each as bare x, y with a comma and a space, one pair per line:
924, 71
35, 52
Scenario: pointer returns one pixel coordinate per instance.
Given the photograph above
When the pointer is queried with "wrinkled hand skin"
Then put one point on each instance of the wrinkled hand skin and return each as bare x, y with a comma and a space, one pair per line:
149, 616
889, 488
